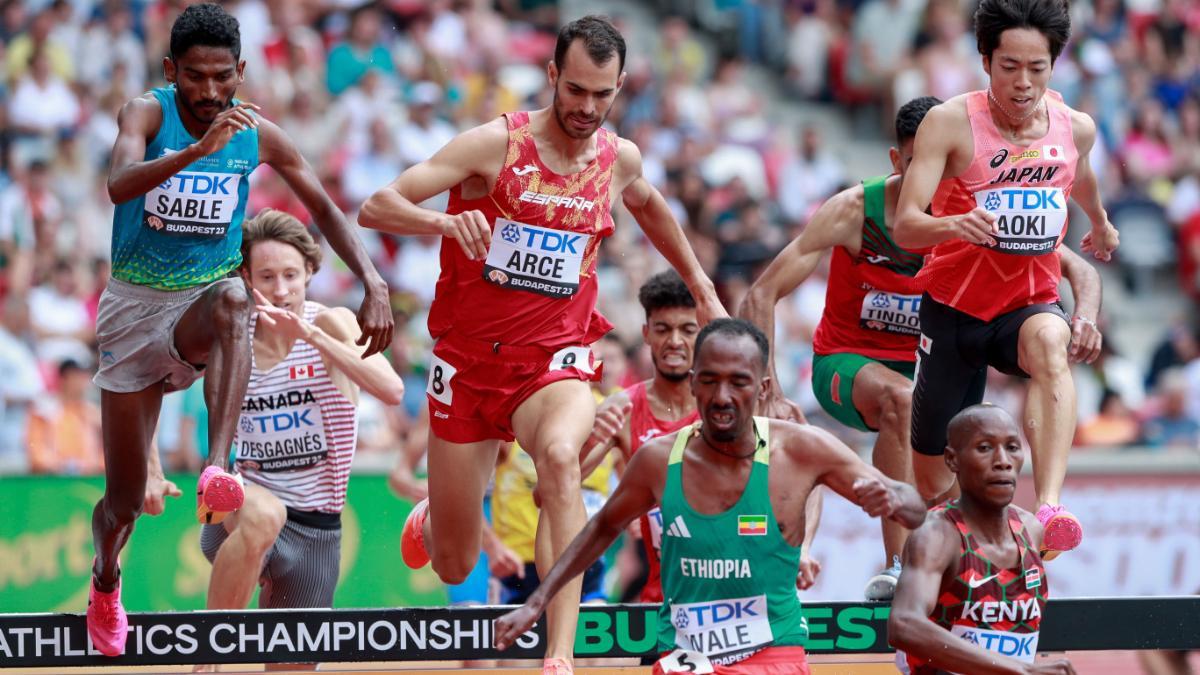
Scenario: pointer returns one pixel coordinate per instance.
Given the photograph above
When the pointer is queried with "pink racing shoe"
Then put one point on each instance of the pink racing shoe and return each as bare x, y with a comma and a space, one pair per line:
106, 621
412, 538
1061, 530
218, 493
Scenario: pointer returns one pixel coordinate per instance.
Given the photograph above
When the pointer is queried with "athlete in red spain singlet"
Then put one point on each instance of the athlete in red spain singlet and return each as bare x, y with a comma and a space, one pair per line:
514, 312
974, 588
661, 405
1010, 157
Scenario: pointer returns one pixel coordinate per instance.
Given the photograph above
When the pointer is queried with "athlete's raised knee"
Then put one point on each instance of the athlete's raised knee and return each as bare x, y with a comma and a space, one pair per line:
1045, 350
124, 508
453, 567
558, 473
231, 303
261, 520
895, 405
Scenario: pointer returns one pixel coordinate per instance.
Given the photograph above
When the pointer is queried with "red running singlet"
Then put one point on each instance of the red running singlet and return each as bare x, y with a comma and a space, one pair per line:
538, 284
643, 428
1027, 188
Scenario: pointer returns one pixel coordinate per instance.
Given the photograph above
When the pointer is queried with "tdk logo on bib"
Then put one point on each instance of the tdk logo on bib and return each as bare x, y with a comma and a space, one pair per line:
1020, 646
536, 259
193, 203
891, 313
725, 631
1029, 221
1037, 199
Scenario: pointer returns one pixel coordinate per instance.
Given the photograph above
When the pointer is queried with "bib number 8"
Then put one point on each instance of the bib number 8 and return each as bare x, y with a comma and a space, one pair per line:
440, 376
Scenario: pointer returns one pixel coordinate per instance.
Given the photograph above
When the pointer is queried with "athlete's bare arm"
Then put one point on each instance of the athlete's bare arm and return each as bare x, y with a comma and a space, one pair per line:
472, 159
334, 335
650, 210
815, 452
639, 491
838, 222
130, 175
1102, 239
942, 149
610, 430
931, 555
277, 150
1085, 286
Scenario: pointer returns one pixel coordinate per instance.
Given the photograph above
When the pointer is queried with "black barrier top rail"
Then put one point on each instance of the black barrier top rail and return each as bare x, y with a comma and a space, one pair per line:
454, 633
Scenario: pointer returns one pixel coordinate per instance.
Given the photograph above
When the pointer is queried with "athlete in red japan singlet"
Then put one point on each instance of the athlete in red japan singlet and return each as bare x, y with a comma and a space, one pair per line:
514, 310
974, 588
1006, 160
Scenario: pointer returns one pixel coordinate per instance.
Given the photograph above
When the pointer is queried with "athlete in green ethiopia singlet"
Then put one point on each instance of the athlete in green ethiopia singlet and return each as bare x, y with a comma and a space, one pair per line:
187, 231
728, 579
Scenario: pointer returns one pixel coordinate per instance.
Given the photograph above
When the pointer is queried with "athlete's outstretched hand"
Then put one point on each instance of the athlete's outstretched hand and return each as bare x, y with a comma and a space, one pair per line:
610, 419
158, 489
375, 321
504, 562
777, 406
877, 499
807, 576
1055, 667
976, 226
709, 308
1085, 340
227, 123
1101, 242
288, 323
472, 232
514, 624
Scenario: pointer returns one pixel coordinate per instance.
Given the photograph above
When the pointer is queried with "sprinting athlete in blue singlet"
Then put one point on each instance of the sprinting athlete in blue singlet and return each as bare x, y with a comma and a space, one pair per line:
171, 312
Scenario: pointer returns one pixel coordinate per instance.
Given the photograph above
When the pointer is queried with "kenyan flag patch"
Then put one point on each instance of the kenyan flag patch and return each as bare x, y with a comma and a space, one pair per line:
1033, 578
752, 526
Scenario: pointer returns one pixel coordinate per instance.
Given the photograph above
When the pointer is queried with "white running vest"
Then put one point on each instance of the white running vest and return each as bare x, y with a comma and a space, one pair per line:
297, 432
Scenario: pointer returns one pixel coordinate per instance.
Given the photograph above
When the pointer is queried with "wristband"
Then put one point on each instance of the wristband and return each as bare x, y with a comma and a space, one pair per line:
1084, 319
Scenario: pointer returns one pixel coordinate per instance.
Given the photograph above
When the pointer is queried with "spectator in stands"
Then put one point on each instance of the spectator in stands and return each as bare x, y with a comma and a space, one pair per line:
64, 431
37, 38
425, 133
42, 102
1171, 426
1116, 424
59, 317
20, 383
362, 50
809, 177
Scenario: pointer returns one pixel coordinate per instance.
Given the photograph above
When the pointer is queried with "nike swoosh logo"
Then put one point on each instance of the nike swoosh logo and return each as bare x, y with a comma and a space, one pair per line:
528, 168
976, 583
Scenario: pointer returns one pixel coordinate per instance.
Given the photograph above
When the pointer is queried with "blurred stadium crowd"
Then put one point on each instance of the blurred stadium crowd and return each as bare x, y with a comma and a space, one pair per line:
368, 90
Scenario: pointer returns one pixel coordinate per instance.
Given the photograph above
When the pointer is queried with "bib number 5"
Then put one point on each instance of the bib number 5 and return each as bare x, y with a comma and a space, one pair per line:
683, 661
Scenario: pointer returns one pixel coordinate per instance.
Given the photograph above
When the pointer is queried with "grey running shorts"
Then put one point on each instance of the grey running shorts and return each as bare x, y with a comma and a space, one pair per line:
135, 326
301, 569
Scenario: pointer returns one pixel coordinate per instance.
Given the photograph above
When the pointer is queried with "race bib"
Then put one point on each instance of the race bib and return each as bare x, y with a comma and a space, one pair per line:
535, 259
1029, 220
579, 358
193, 204
683, 661
281, 432
440, 374
1020, 646
891, 313
724, 631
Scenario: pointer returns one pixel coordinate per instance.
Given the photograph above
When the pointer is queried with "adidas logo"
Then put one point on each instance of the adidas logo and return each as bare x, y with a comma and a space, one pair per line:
678, 528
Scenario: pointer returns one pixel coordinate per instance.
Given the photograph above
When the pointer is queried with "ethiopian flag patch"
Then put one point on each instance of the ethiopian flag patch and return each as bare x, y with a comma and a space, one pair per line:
750, 526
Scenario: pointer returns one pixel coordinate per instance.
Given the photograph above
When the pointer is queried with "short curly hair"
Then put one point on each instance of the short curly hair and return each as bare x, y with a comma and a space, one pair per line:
207, 25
